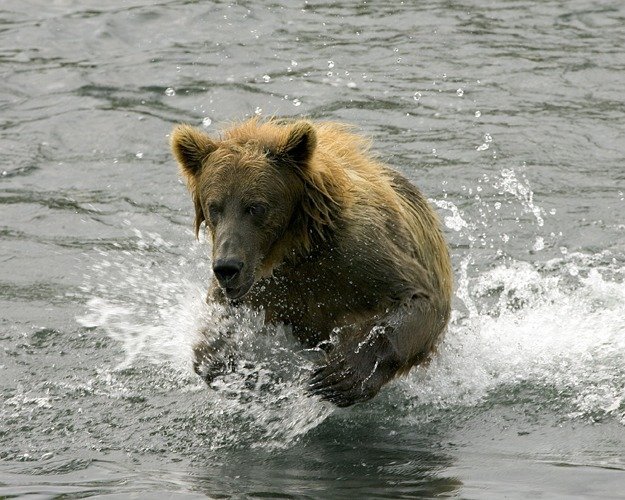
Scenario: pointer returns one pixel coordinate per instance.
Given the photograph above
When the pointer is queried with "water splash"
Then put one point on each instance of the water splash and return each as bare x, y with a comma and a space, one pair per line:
155, 312
555, 328
525, 326
509, 183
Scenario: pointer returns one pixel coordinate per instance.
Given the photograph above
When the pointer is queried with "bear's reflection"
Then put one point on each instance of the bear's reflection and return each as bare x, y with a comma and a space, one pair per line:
357, 454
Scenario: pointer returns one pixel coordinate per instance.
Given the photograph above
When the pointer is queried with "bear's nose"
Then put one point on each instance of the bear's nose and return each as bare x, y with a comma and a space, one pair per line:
226, 270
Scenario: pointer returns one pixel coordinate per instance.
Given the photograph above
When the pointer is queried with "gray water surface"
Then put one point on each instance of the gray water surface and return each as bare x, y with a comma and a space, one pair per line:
510, 115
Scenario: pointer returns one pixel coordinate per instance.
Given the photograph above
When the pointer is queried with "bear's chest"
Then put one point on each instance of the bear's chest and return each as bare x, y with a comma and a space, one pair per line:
314, 300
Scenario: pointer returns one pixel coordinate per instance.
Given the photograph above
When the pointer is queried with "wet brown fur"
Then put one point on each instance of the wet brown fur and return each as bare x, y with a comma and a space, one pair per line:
361, 252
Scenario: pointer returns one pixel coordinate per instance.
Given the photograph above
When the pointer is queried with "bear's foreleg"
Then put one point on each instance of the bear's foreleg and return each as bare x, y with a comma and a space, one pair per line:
371, 354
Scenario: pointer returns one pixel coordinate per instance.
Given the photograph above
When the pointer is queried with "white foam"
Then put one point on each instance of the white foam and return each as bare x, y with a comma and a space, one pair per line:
536, 330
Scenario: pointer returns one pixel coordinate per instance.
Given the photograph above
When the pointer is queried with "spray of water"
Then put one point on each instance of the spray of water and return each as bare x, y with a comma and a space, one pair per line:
144, 299
556, 327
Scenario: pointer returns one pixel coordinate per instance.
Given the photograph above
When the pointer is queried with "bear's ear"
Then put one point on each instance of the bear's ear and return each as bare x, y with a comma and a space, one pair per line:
300, 143
190, 147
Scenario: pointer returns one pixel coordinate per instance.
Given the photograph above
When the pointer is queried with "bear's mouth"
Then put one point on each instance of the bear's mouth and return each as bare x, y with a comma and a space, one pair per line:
236, 292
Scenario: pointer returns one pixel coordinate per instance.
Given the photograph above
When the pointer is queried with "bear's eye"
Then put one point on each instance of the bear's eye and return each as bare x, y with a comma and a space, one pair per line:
256, 209
213, 212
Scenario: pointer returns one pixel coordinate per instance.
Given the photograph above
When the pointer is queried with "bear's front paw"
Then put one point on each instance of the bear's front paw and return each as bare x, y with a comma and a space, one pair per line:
354, 374
211, 361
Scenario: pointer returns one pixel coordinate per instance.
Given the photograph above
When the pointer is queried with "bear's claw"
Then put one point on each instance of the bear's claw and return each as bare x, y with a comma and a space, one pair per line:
211, 362
354, 375
340, 387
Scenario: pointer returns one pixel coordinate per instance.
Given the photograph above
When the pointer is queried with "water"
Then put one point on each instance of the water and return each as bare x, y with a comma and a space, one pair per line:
508, 115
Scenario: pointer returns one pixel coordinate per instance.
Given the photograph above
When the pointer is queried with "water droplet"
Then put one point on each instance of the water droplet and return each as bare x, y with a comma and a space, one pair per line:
434, 152
552, 211
564, 250
497, 205
478, 114
455, 220
351, 85
169, 92
488, 138
399, 59
416, 96
139, 155
296, 102
206, 121
293, 63
330, 64
329, 73
266, 78
460, 92
539, 244
4, 173
258, 110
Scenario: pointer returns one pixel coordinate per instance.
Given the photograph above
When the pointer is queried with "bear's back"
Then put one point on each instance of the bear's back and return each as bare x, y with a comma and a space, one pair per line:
386, 209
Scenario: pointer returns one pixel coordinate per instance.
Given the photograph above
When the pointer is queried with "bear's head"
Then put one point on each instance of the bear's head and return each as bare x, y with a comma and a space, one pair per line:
258, 192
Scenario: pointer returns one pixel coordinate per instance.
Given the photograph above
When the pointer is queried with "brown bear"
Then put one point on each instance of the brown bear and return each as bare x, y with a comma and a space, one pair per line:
307, 226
